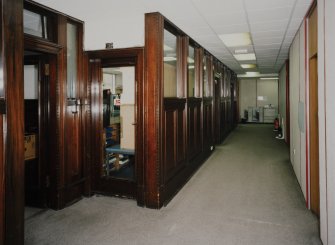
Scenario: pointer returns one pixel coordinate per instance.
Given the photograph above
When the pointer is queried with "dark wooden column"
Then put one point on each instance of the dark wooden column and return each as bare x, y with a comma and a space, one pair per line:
154, 25
11, 123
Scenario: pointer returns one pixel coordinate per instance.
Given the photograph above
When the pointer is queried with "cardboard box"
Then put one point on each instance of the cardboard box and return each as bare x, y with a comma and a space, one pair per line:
30, 146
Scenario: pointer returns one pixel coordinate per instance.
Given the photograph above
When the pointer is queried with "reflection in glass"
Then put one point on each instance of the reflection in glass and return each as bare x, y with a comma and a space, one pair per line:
170, 64
32, 23
205, 77
71, 60
118, 122
191, 71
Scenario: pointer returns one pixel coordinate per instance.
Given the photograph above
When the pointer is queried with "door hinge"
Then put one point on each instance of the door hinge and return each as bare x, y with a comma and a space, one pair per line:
47, 181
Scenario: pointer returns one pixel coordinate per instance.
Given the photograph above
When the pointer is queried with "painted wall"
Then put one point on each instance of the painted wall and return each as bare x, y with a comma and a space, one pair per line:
251, 89
297, 108
326, 81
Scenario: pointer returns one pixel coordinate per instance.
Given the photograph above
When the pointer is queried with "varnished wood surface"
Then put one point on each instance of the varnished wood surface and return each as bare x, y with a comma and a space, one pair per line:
314, 136
153, 104
114, 58
167, 168
12, 72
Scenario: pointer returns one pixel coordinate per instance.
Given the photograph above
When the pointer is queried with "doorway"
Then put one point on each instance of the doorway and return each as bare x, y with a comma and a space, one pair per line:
36, 130
116, 78
313, 111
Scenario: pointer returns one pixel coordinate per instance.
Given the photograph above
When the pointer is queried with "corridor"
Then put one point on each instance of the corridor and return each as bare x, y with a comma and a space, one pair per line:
245, 193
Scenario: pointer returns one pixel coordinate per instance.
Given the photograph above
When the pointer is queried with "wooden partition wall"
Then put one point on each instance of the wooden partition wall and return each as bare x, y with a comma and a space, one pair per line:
66, 174
181, 126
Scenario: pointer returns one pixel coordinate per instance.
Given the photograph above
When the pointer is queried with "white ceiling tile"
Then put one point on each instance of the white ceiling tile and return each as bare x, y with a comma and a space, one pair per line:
278, 25
265, 4
264, 34
295, 24
273, 14
305, 2
238, 18
217, 6
268, 40
228, 29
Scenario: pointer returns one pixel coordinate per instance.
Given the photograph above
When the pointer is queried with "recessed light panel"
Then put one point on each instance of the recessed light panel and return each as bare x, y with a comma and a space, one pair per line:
252, 73
236, 39
241, 51
248, 66
250, 56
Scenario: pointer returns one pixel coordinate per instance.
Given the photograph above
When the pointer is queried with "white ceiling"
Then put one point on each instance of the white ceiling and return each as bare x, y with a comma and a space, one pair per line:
271, 23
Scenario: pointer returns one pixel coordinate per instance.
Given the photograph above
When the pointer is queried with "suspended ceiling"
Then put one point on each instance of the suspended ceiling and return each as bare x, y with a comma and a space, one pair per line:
272, 24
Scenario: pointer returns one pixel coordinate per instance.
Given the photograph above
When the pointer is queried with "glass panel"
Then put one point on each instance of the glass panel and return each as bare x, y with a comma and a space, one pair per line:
205, 77
191, 71
118, 122
31, 112
32, 23
31, 82
170, 64
71, 60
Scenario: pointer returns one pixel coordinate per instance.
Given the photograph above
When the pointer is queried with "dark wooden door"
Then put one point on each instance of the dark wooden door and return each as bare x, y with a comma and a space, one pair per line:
121, 134
314, 134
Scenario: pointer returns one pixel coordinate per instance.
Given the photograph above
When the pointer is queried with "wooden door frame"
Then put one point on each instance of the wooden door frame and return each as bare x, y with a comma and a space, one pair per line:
118, 57
43, 111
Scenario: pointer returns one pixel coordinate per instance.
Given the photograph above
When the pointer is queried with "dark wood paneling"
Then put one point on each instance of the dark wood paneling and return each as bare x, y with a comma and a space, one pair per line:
12, 90
153, 105
217, 110
2, 184
74, 162
194, 128
208, 139
174, 154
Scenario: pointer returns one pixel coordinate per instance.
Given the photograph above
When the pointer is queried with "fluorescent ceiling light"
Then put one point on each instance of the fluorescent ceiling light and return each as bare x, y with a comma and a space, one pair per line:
250, 56
169, 59
236, 39
252, 73
241, 51
248, 66
269, 78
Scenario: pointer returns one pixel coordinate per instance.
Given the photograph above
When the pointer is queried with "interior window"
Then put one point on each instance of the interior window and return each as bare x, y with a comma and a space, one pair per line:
170, 64
191, 71
71, 60
35, 24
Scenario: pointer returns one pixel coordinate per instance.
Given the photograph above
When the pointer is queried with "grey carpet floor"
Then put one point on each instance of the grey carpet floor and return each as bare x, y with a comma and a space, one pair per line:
245, 193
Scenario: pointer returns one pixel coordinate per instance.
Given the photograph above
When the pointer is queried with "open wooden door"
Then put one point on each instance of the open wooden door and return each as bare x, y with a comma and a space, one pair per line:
115, 77
313, 112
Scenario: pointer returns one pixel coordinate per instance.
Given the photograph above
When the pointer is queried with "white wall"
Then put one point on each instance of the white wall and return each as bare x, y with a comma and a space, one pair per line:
250, 89
247, 90
297, 108
326, 78
100, 26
